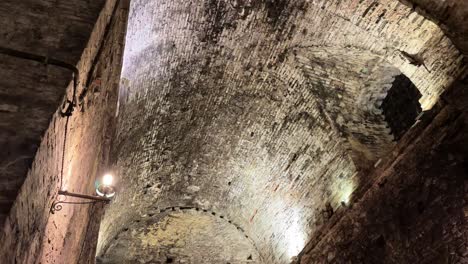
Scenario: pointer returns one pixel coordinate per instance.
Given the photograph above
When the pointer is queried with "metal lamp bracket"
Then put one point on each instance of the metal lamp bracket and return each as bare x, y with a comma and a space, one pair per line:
57, 205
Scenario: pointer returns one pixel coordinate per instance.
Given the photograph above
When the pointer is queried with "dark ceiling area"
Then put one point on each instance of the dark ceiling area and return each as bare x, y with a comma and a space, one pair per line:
31, 89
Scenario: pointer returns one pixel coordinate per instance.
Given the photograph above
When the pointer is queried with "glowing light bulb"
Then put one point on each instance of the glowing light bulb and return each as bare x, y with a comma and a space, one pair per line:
107, 179
104, 187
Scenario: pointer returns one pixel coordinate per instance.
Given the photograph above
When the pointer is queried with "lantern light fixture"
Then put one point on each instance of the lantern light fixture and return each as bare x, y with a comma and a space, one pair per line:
105, 190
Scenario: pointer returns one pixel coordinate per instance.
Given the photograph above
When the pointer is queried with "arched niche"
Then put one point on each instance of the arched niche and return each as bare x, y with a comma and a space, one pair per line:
401, 106
369, 102
189, 235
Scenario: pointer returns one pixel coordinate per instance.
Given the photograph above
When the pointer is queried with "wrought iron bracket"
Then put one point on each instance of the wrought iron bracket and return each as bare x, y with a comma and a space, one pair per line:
57, 204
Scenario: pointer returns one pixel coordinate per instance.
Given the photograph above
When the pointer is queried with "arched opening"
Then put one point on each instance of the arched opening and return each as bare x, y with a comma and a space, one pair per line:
349, 87
181, 236
368, 102
401, 106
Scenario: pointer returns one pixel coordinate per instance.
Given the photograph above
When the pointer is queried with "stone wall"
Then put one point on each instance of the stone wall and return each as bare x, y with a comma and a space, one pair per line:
30, 90
32, 234
416, 209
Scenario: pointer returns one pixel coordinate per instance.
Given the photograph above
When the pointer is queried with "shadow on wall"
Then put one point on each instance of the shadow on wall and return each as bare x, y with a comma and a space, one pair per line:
401, 106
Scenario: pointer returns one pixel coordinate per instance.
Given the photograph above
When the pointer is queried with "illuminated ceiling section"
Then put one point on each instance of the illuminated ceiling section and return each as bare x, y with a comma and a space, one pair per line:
226, 107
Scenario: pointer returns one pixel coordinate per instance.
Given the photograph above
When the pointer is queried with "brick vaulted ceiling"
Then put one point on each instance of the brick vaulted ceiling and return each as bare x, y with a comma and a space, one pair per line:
31, 91
259, 113
240, 121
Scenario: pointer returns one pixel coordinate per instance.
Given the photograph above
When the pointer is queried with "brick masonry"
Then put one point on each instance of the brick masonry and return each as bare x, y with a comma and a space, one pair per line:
450, 15
182, 235
416, 209
30, 91
31, 234
265, 116
250, 109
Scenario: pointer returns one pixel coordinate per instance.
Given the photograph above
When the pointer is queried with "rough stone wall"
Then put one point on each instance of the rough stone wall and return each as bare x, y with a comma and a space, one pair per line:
32, 234
30, 91
217, 110
416, 210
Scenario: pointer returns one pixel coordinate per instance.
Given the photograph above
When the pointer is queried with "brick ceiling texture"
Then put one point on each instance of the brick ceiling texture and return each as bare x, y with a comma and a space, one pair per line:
240, 122
259, 113
31, 91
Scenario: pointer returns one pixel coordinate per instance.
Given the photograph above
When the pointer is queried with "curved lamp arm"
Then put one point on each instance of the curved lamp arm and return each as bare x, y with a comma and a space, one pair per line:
56, 205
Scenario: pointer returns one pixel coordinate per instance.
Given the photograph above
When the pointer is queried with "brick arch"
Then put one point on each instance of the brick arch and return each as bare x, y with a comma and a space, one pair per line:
350, 86
172, 232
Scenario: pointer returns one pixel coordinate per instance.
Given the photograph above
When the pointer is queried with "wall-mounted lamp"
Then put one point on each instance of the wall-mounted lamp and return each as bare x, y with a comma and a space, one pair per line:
104, 190
105, 187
